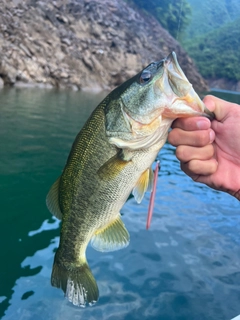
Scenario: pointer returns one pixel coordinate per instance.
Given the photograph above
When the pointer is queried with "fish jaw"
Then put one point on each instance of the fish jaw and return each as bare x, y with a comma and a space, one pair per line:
183, 100
187, 106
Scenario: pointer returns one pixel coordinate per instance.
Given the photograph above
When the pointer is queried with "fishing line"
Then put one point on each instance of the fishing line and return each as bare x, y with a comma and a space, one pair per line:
179, 20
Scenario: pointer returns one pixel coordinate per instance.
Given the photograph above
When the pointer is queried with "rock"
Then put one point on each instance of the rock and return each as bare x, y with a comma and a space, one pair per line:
62, 19
224, 84
1, 83
87, 61
66, 41
25, 50
86, 44
9, 73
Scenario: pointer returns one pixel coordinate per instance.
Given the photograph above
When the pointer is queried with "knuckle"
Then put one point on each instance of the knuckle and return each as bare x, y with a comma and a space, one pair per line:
213, 166
210, 150
202, 139
192, 166
184, 167
173, 137
181, 153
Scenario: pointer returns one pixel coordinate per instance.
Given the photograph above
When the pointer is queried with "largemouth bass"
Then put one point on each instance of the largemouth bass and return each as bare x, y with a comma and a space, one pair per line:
110, 158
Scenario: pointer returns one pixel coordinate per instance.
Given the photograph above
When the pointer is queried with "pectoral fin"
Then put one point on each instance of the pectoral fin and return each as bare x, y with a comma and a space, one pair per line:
112, 168
52, 200
113, 236
144, 184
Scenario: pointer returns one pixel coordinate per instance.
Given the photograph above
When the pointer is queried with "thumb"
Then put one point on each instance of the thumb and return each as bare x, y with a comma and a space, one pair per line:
220, 107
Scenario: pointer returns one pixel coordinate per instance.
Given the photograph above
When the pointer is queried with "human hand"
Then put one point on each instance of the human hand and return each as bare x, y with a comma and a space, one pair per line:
209, 152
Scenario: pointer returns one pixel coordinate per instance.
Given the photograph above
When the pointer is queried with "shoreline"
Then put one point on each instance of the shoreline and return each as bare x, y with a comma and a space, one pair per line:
92, 89
224, 91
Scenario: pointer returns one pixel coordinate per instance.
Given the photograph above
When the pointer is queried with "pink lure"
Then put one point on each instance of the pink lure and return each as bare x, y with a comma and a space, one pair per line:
152, 197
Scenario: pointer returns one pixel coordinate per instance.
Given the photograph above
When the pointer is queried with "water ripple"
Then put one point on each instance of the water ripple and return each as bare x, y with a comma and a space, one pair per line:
185, 267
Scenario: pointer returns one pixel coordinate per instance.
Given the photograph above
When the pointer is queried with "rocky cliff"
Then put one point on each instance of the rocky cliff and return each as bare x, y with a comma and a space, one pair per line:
81, 44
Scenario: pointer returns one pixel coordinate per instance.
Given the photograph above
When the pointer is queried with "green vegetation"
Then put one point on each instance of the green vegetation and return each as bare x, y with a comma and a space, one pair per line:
208, 30
209, 15
212, 38
217, 54
173, 15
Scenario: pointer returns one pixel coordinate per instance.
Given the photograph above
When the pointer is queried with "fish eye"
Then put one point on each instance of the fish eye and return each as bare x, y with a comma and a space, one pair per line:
145, 76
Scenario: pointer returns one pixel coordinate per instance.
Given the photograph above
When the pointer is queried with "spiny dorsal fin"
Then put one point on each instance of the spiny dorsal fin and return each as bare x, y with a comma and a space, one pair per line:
113, 236
52, 200
144, 184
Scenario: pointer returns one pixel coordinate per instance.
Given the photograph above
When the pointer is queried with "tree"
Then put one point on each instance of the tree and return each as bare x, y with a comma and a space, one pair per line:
174, 15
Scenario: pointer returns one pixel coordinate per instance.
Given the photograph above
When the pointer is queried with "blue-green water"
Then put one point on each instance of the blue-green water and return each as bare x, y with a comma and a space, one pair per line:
187, 266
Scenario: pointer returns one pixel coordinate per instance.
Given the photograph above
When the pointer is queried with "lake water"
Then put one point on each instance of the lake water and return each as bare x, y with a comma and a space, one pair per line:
187, 266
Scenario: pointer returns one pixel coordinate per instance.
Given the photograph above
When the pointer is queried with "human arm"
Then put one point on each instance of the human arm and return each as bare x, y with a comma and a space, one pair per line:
209, 152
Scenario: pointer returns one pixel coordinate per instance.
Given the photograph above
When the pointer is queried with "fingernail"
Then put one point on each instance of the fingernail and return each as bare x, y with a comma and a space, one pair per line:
212, 136
203, 124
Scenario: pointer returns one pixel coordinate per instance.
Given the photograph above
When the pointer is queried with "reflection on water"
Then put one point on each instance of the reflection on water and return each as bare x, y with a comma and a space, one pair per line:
187, 266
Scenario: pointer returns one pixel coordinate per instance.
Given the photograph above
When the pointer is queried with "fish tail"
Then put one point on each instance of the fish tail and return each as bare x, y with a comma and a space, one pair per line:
77, 282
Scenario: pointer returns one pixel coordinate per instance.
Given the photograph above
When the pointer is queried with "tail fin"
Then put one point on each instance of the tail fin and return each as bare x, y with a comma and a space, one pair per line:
77, 282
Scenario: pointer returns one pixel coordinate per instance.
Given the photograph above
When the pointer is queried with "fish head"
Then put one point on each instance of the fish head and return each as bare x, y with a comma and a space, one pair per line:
160, 91
162, 88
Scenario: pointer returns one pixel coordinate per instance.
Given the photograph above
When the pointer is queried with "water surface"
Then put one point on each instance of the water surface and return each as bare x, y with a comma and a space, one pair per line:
187, 266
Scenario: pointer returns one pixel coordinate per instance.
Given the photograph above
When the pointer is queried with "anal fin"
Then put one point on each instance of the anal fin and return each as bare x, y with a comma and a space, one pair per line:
113, 236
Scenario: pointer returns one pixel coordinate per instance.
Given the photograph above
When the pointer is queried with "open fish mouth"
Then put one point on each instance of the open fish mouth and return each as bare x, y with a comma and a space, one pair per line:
174, 67
183, 88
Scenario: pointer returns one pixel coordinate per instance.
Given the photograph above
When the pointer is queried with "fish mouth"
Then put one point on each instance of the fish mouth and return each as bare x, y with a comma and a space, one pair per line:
208, 114
173, 66
187, 101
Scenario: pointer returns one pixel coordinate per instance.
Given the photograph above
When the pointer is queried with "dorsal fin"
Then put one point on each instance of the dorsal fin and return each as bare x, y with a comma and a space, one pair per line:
52, 200
113, 236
